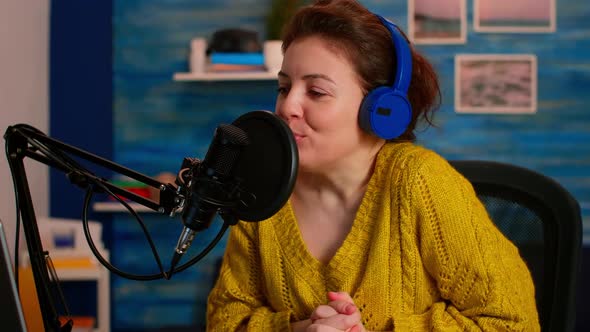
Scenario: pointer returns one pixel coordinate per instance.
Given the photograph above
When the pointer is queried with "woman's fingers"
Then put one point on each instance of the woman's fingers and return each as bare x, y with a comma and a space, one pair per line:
323, 311
321, 328
340, 296
343, 307
340, 314
357, 328
341, 322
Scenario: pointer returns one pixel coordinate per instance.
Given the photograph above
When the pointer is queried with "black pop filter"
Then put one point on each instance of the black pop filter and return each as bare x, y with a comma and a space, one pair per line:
267, 166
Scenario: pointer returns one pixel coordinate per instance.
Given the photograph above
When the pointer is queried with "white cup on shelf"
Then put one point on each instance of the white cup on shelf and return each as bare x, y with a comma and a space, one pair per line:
273, 55
197, 57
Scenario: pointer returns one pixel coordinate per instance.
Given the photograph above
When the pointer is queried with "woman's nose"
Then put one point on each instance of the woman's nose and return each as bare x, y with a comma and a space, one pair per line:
289, 105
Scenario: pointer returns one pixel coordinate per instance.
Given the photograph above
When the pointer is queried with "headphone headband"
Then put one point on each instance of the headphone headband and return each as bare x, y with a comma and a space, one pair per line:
403, 73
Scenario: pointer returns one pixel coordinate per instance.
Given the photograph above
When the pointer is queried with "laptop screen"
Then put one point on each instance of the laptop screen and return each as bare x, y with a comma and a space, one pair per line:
11, 311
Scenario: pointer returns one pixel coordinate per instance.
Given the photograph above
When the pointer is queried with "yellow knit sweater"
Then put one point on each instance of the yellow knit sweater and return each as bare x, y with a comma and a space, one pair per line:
422, 255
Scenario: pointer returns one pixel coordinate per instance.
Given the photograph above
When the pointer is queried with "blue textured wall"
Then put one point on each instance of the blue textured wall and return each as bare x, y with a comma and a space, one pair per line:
157, 122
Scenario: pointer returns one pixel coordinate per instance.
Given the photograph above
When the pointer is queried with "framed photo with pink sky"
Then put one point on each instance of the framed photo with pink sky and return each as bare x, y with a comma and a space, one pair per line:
496, 83
437, 21
514, 15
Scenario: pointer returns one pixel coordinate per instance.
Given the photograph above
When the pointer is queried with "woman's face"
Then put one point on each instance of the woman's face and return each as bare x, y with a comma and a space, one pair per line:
319, 97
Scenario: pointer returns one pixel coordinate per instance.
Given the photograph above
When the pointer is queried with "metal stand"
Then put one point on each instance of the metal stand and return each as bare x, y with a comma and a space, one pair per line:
15, 149
24, 141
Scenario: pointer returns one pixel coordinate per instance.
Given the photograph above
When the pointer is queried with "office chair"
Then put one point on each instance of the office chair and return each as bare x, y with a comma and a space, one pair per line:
544, 221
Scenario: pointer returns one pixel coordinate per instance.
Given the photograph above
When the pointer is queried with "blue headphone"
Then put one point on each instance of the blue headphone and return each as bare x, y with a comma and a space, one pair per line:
385, 110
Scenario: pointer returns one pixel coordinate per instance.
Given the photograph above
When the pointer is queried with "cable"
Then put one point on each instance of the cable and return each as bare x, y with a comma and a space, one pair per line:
87, 199
126, 275
204, 252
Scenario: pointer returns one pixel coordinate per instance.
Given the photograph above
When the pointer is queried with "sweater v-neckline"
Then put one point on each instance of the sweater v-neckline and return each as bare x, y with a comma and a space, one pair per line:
335, 270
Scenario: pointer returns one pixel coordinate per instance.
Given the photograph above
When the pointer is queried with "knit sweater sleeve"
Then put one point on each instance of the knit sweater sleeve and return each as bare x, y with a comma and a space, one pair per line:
483, 282
236, 302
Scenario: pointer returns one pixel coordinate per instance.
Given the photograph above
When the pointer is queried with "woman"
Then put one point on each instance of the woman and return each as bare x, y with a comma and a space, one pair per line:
378, 234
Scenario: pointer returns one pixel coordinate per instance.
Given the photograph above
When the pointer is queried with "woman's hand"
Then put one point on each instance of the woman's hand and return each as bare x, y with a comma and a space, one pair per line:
340, 314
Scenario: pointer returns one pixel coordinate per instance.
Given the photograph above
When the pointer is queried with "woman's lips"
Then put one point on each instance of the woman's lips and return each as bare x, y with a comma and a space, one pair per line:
297, 135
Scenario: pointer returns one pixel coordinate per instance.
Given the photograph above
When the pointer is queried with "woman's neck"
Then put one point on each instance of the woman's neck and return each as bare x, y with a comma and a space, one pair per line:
341, 184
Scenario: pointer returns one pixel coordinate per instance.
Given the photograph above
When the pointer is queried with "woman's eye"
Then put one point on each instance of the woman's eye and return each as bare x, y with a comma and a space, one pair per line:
316, 93
282, 90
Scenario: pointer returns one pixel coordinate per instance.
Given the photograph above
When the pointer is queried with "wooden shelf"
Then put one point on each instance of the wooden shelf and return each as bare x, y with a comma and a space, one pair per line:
97, 273
233, 76
118, 207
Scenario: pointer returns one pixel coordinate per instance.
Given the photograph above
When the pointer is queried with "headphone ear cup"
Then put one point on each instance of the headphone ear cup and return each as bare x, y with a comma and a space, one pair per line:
385, 112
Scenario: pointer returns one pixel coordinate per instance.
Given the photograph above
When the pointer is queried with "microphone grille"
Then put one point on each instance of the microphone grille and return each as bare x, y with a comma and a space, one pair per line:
225, 149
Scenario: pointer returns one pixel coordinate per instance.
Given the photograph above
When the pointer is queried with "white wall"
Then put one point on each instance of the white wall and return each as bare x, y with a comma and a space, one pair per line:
24, 67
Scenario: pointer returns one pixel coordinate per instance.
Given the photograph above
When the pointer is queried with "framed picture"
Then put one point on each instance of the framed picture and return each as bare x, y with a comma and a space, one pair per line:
495, 83
437, 21
514, 16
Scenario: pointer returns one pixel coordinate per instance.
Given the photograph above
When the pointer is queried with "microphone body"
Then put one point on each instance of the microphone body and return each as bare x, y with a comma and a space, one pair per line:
211, 186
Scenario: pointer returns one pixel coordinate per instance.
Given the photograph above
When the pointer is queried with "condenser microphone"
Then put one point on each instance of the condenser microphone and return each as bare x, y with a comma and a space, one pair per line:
208, 187
248, 172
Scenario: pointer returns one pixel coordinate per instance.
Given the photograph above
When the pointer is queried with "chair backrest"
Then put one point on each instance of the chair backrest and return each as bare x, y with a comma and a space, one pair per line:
544, 221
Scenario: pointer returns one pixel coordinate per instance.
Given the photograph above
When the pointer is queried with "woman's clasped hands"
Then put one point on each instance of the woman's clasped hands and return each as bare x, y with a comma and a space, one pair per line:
340, 314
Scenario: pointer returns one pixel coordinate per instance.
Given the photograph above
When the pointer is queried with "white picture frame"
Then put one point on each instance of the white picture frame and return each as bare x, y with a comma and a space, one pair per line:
437, 21
496, 83
510, 16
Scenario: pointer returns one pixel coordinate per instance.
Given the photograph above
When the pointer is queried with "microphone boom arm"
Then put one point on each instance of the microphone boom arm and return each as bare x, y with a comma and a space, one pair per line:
166, 204
25, 141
